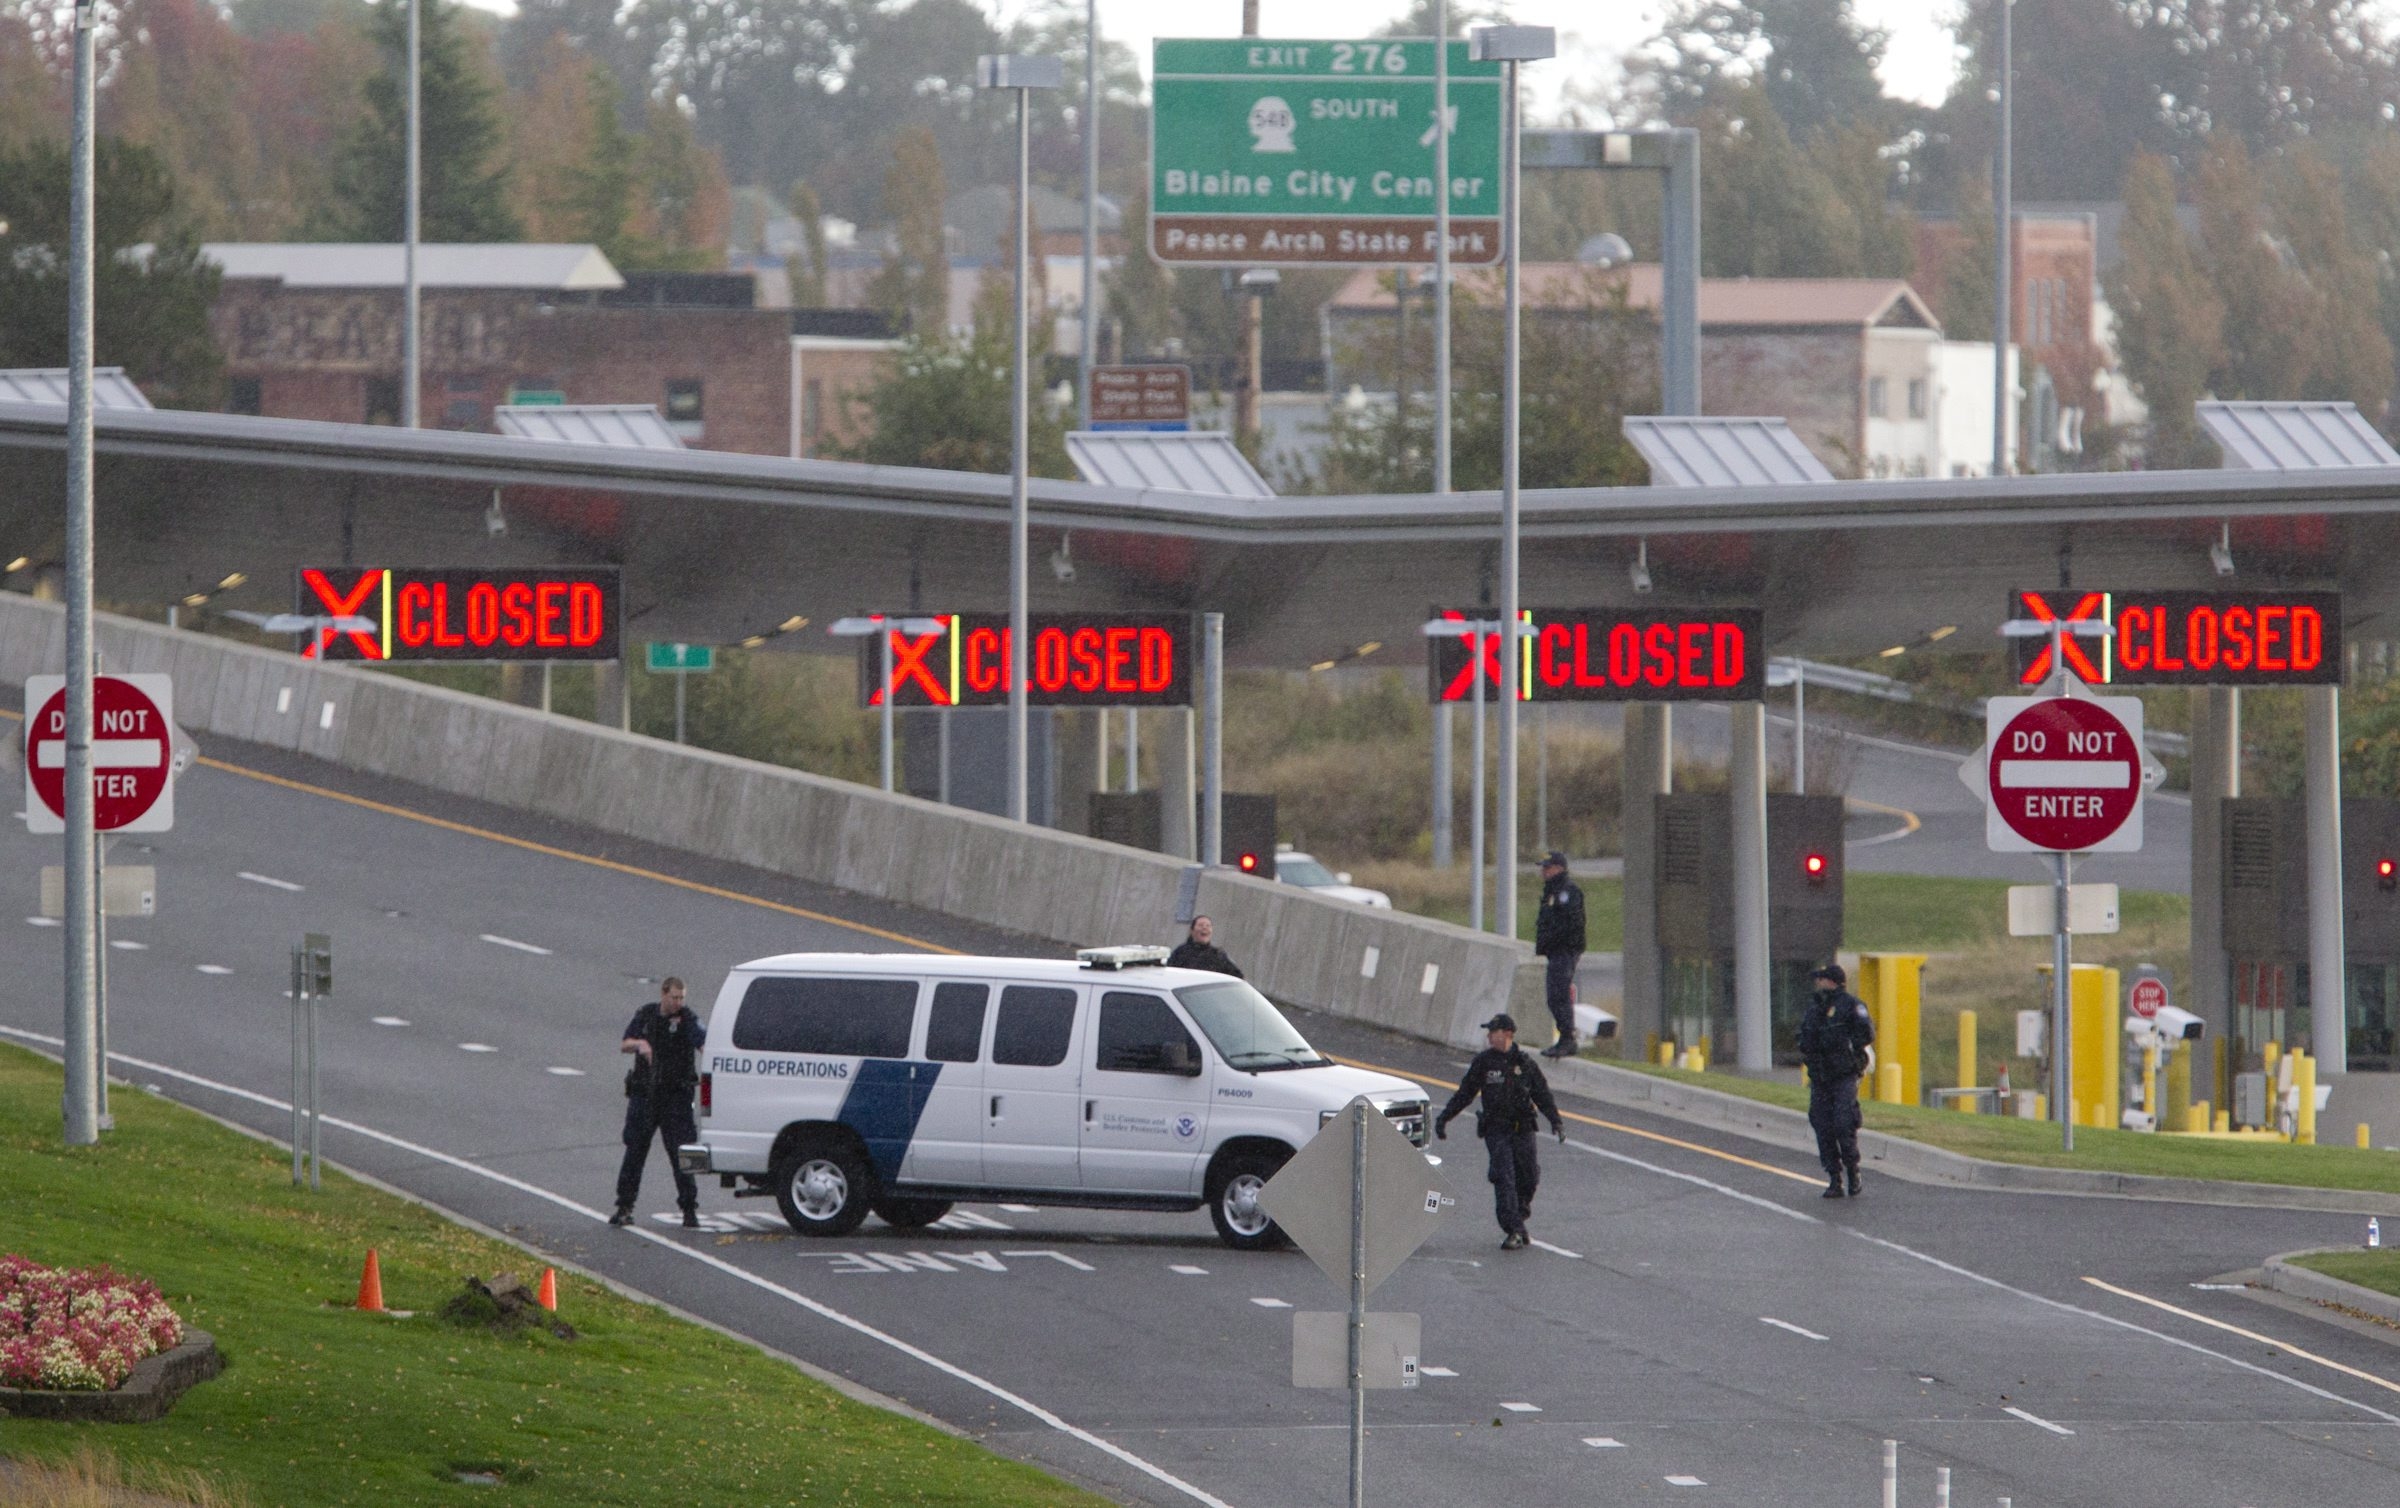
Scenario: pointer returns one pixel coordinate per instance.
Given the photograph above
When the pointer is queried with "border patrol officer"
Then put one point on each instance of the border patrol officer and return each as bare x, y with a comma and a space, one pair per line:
1835, 1034
1558, 939
665, 1040
1513, 1088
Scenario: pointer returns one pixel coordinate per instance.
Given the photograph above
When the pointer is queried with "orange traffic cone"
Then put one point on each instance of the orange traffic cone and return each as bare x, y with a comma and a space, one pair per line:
548, 1297
370, 1286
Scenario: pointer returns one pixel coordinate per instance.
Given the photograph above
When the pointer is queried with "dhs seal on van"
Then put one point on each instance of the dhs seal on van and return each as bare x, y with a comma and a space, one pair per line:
843, 1082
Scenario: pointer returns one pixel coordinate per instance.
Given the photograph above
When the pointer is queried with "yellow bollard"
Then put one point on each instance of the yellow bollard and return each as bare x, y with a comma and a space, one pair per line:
2224, 1121
2096, 1013
2366, 1143
1892, 987
1966, 1059
2195, 1117
2304, 1079
2177, 1089
2150, 1087
1700, 1060
1888, 1083
1666, 1054
2269, 1054
2041, 1107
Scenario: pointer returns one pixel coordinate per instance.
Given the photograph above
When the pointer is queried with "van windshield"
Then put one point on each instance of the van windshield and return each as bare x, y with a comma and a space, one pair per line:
1247, 1029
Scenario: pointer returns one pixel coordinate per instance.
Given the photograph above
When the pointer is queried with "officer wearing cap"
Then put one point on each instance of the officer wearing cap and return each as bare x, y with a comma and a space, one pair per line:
1835, 1034
1513, 1089
1558, 938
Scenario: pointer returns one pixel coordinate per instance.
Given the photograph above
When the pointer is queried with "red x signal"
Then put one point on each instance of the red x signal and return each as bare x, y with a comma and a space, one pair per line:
370, 647
2091, 607
908, 664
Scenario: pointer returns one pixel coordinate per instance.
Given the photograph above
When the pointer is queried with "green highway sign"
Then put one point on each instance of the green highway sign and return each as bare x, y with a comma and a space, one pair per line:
1269, 152
692, 657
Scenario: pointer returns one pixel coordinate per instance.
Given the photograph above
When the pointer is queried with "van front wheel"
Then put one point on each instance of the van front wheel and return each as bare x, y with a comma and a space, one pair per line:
1233, 1202
824, 1187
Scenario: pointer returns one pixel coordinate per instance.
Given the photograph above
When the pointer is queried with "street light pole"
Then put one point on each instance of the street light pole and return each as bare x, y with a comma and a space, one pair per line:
412, 376
1510, 46
81, 1046
1023, 74
1091, 210
2003, 253
1441, 250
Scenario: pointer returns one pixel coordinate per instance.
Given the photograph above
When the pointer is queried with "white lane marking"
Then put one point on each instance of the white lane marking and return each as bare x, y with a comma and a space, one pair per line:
477, 1047
969, 1220
1187, 1269
1435, 1372
212, 968
510, 942
564, 1073
2265, 1340
386, 1020
1522, 1408
1693, 1178
1768, 1319
1681, 1481
1061, 1258
817, 1307
1602, 1442
267, 880
2038, 1422
41, 921
128, 945
1544, 1245
1270, 1303
1018, 1209
2125, 1324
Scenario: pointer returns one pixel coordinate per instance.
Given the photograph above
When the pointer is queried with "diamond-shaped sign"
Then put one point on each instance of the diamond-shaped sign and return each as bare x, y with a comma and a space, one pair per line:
1406, 1197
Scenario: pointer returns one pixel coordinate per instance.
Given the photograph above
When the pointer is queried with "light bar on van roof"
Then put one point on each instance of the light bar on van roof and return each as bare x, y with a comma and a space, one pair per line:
1125, 956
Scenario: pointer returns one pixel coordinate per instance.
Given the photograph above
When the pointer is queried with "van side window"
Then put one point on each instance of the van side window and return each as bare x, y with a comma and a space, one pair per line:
837, 1018
1036, 1024
955, 1032
1140, 1034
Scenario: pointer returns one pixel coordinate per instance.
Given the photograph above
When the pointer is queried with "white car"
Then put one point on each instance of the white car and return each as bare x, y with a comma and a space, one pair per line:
1293, 867
841, 1083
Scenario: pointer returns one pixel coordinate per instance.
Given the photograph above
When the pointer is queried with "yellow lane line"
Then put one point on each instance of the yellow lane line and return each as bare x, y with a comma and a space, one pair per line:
1589, 1120
2265, 1340
1910, 820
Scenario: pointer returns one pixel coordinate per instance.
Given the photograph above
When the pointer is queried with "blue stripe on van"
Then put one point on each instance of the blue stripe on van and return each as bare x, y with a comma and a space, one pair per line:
885, 1098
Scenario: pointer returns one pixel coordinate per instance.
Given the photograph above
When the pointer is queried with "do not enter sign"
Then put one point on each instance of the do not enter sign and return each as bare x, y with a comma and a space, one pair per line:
133, 753
2064, 774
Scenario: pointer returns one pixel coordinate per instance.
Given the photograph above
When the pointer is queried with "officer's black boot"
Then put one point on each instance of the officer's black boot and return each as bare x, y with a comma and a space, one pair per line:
1854, 1182
623, 1215
691, 1218
1833, 1188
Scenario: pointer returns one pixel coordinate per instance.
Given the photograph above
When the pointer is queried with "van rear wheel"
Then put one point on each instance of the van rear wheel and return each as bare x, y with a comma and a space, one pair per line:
824, 1187
1233, 1201
909, 1214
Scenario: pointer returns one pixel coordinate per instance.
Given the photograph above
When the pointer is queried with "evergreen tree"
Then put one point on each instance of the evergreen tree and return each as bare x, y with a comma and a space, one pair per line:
150, 314
808, 280
2170, 320
914, 283
464, 183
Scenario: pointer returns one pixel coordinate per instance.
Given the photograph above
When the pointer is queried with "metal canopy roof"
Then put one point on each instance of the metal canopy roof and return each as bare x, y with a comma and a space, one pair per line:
1694, 452
1204, 461
634, 426
548, 267
2294, 436
111, 388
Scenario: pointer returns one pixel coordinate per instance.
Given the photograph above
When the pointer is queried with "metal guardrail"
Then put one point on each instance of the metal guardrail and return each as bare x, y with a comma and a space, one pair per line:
1820, 675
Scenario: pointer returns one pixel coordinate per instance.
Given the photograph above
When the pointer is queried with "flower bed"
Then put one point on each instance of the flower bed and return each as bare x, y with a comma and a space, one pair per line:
78, 1330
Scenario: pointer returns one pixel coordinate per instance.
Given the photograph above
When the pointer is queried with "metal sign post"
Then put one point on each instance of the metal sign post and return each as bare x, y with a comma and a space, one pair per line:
882, 628
312, 980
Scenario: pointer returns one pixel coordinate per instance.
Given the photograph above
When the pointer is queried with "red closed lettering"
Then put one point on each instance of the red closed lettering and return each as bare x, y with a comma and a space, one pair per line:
987, 659
409, 608
444, 636
1658, 649
2271, 629
2308, 638
1158, 659
2132, 624
516, 614
2238, 649
1733, 654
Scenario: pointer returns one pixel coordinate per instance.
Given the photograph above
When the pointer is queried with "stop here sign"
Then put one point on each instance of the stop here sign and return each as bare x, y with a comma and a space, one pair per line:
2147, 997
2064, 774
133, 753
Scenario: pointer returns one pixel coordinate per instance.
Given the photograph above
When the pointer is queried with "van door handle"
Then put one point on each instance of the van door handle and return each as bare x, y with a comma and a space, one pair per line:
995, 1107
1089, 1107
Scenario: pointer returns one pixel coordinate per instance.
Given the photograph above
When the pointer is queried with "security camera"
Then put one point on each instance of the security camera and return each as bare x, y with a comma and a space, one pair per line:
2220, 554
1062, 559
495, 522
1639, 571
2177, 1025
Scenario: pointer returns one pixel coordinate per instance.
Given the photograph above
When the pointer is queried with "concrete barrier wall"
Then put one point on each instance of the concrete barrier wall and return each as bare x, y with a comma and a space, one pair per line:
1425, 978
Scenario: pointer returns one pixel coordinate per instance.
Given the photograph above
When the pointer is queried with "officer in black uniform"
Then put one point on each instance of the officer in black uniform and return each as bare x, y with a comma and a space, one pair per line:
1834, 1037
1200, 951
665, 1040
1558, 937
1513, 1089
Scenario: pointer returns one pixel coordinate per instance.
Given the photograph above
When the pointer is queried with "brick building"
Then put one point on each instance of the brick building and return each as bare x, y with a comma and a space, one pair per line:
314, 332
1852, 363
2051, 316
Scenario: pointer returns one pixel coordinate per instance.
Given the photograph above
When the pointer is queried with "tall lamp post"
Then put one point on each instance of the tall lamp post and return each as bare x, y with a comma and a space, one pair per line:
82, 1046
412, 356
1091, 224
2003, 249
1509, 46
1024, 74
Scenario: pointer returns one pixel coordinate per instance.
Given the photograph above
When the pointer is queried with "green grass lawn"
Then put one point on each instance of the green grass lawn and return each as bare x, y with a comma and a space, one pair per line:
323, 1405
2379, 1270
2036, 1143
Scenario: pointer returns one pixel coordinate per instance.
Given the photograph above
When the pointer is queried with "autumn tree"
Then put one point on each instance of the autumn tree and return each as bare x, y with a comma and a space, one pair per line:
914, 282
2170, 321
808, 279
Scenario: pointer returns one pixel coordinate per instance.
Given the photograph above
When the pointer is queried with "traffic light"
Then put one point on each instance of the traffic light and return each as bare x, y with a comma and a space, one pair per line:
1816, 867
2387, 875
1247, 840
1249, 863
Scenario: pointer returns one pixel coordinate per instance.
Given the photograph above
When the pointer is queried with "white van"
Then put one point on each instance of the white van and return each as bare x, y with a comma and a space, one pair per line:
848, 1082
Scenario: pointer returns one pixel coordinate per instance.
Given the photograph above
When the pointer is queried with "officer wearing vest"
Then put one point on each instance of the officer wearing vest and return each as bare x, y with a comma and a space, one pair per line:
1835, 1034
1513, 1090
665, 1040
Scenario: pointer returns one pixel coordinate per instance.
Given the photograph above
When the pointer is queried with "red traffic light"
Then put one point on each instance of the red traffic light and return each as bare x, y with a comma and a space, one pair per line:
2386, 875
1815, 866
1248, 863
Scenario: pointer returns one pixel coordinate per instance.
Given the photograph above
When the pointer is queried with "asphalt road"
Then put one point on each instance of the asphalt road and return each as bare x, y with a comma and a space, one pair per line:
1697, 1327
